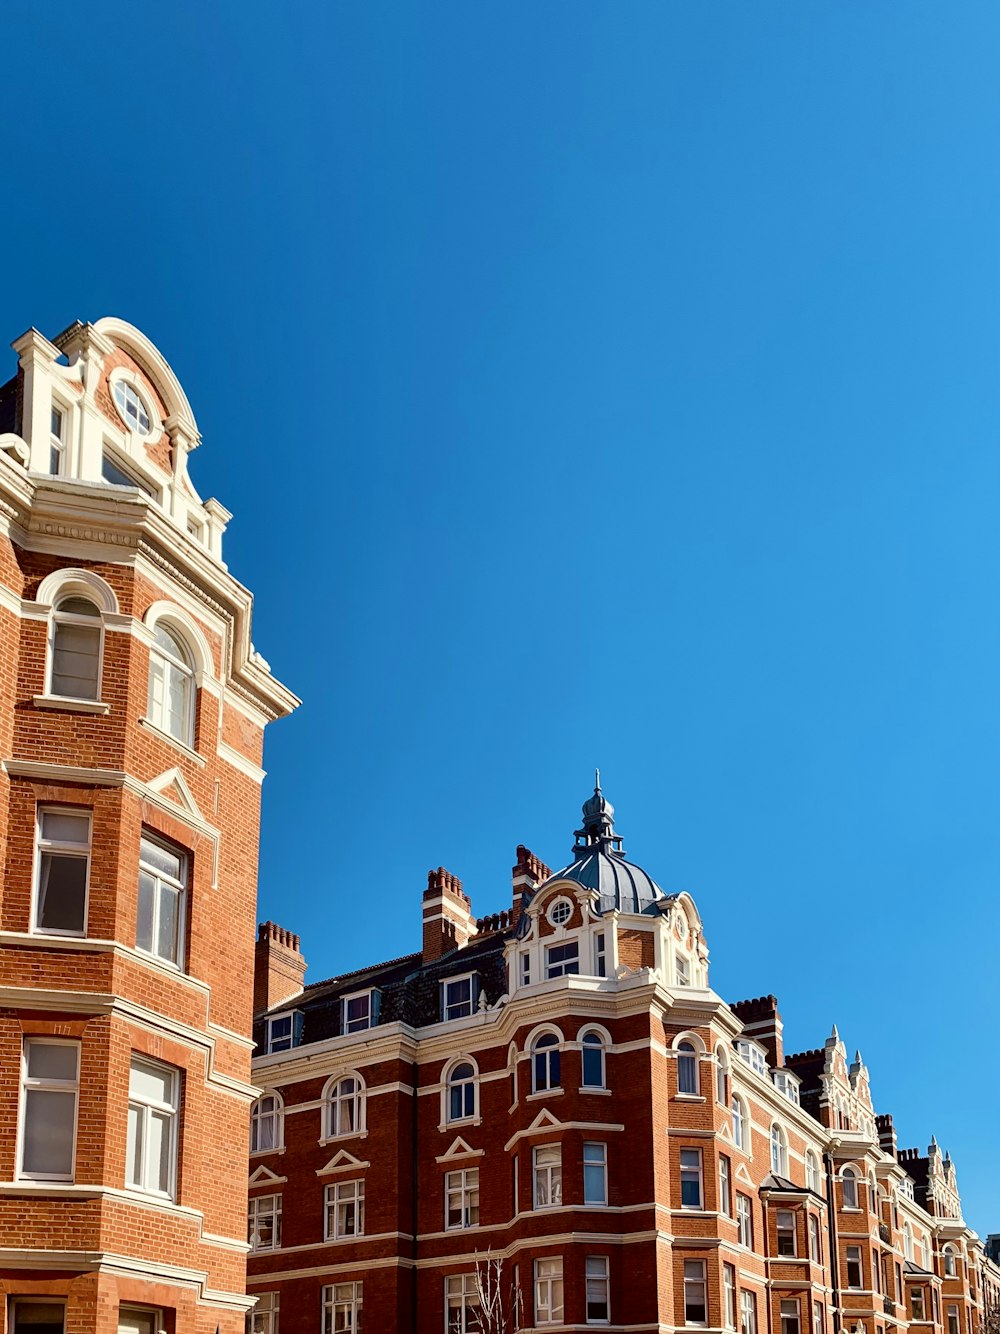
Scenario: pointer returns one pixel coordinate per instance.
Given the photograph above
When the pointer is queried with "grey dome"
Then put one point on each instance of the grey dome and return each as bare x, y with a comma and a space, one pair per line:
599, 863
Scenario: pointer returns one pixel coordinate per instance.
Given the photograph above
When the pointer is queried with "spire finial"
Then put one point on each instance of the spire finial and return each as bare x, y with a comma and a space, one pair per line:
597, 780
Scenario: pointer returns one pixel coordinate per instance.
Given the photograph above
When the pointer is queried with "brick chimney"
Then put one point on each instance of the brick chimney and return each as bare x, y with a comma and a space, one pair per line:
448, 920
886, 1134
528, 873
279, 969
762, 1023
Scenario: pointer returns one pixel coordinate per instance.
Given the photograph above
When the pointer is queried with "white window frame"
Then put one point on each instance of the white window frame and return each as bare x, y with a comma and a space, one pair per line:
787, 1230
549, 1292
849, 1187
813, 1178
953, 1318
729, 1296
790, 1320
748, 1311
592, 1043
461, 1199
688, 1073
815, 1240
560, 911
168, 663
264, 1206
854, 1255
68, 593
126, 384
357, 1025
462, 1009
463, 1087
691, 1170
721, 1077
57, 438
339, 1300
548, 1057
31, 1084
725, 1186
566, 967
779, 1150
818, 1321
264, 1319
597, 1271
57, 848
595, 1158
168, 1113
259, 1118
163, 881
695, 1277
600, 954
339, 1198
682, 970
461, 1297
546, 1176
275, 1042
334, 1101
919, 1304
744, 1220
740, 1123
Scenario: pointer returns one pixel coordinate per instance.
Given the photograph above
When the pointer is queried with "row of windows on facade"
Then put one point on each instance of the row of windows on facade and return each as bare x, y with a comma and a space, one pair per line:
114, 469
76, 656
345, 1096
344, 1201
62, 878
50, 1093
342, 1304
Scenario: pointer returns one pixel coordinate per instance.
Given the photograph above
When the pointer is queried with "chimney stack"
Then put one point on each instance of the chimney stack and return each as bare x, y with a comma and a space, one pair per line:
279, 969
528, 873
886, 1134
762, 1023
448, 920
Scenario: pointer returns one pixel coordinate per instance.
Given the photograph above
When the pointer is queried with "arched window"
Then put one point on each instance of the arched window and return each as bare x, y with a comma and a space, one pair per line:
171, 685
75, 657
872, 1194
721, 1076
687, 1068
266, 1118
741, 1128
907, 1241
925, 1254
593, 1060
545, 1063
849, 1181
779, 1151
462, 1091
812, 1172
950, 1266
345, 1106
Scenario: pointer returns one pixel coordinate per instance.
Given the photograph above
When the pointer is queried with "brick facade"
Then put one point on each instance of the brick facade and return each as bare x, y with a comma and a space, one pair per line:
676, 1170
114, 1217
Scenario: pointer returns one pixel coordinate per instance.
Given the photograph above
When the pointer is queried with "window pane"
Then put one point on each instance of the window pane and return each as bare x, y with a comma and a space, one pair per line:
162, 859
137, 1322
58, 827
133, 1152
39, 1317
166, 942
159, 1150
48, 1132
150, 1083
62, 892
49, 1060
146, 909
75, 657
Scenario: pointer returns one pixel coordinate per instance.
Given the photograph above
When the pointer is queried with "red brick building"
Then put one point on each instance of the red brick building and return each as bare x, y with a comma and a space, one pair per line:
551, 1105
132, 712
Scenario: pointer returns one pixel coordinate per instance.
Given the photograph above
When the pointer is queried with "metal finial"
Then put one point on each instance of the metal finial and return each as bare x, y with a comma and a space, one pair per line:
597, 780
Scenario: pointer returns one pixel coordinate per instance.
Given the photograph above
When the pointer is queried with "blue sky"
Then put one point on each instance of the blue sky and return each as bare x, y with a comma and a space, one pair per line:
592, 384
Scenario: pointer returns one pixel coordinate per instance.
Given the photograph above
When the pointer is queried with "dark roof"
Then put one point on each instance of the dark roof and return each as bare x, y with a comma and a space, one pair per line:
409, 990
773, 1182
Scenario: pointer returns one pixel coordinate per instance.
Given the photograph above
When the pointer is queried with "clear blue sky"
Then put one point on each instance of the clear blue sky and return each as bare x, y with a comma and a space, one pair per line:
592, 384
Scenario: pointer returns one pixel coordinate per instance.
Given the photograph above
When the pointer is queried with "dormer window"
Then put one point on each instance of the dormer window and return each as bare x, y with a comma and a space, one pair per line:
560, 912
561, 960
131, 407
457, 997
284, 1031
787, 1084
755, 1057
359, 1011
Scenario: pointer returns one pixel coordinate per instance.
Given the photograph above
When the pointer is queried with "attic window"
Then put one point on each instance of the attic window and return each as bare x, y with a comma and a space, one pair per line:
132, 409
359, 1011
560, 912
754, 1056
284, 1031
457, 997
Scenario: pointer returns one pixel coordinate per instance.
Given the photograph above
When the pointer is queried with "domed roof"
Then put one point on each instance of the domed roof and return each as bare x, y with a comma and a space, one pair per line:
599, 862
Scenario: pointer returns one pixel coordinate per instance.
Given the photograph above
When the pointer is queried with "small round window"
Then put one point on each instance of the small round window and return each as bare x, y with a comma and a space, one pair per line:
560, 912
133, 410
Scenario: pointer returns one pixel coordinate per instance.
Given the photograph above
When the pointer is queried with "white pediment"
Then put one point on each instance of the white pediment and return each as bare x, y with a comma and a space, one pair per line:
263, 1176
743, 1175
174, 786
459, 1149
341, 1162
